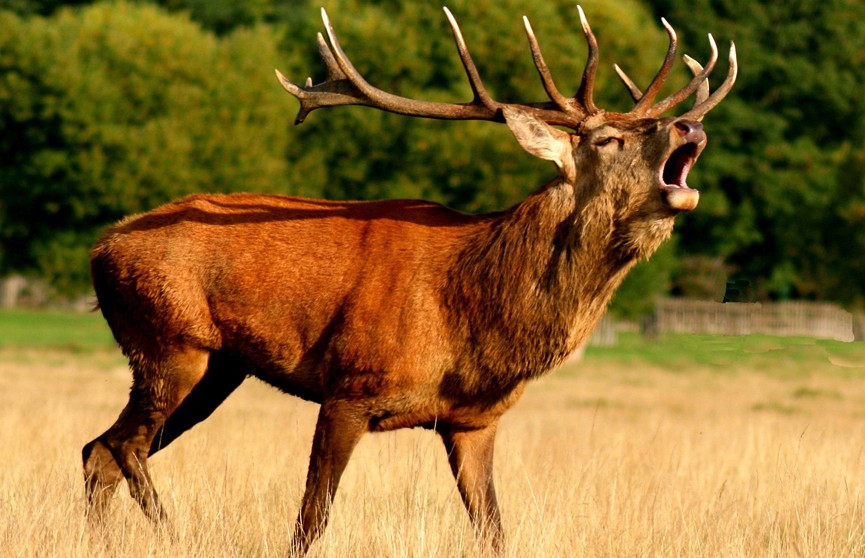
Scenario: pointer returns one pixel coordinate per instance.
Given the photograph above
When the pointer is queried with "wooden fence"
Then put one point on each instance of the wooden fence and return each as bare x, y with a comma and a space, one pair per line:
806, 319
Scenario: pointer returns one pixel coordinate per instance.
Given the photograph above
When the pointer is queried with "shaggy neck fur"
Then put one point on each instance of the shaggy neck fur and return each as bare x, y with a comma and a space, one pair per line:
530, 288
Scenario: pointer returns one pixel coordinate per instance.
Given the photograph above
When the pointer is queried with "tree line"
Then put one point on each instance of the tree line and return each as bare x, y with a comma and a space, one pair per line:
111, 108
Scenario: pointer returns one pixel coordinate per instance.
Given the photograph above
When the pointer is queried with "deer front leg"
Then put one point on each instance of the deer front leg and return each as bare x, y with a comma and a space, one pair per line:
470, 453
340, 426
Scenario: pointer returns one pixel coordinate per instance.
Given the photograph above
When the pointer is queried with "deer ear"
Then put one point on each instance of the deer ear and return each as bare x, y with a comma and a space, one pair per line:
542, 140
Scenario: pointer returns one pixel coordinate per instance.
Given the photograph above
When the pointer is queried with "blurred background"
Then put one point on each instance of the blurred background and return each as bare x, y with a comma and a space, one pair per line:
112, 108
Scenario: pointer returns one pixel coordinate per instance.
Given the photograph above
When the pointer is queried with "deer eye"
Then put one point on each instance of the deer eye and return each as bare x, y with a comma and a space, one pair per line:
610, 141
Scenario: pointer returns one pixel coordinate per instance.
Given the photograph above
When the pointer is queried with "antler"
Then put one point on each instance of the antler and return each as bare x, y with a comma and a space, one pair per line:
344, 85
700, 83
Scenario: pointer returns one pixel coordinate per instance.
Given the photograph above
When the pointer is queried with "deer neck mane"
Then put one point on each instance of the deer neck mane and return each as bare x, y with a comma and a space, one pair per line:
533, 284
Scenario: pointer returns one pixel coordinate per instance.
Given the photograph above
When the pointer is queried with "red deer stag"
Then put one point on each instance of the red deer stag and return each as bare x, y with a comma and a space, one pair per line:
391, 314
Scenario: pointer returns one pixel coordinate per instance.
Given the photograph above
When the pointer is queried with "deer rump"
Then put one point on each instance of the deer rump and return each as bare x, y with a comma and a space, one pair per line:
398, 313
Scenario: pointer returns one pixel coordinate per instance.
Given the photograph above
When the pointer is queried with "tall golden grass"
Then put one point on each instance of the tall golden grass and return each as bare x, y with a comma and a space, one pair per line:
598, 459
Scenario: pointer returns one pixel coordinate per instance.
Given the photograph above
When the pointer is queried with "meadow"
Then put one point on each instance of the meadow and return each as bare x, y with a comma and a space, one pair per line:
679, 446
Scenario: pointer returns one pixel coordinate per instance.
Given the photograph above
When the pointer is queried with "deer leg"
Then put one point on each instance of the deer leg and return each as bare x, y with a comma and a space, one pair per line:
470, 453
102, 474
157, 390
340, 426
223, 376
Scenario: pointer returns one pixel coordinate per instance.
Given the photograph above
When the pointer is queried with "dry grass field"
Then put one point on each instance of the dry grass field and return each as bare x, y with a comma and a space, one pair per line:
688, 447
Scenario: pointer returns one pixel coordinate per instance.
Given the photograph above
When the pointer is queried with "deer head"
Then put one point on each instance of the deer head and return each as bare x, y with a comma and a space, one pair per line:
637, 156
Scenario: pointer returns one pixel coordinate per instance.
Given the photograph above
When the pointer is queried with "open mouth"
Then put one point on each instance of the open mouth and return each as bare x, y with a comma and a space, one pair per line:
674, 175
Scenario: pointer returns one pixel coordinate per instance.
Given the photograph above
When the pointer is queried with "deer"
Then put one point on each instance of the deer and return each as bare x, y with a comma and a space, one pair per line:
399, 313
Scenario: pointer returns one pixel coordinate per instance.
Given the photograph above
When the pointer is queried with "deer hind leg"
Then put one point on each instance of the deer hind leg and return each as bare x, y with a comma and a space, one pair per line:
159, 386
339, 428
470, 453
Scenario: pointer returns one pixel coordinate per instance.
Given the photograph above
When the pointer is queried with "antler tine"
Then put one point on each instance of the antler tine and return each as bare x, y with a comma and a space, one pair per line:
333, 70
299, 93
701, 108
477, 85
652, 91
584, 95
312, 97
372, 94
696, 68
692, 86
635, 92
544, 71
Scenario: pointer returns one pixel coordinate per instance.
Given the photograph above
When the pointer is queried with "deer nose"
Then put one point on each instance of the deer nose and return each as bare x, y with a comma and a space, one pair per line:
691, 131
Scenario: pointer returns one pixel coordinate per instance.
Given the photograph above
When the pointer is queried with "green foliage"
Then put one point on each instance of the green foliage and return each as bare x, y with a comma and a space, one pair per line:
223, 16
848, 215
38, 7
143, 108
220, 16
